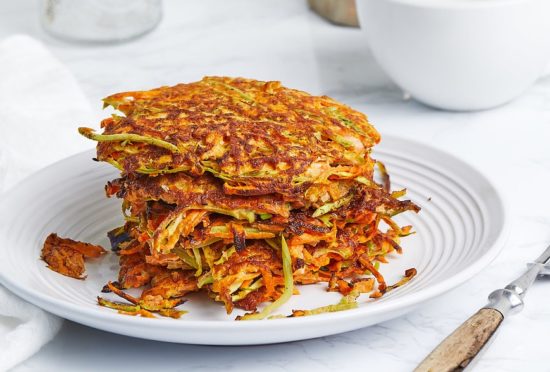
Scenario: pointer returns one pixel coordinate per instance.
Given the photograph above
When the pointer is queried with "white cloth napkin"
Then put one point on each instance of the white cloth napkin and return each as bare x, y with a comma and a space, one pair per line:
41, 106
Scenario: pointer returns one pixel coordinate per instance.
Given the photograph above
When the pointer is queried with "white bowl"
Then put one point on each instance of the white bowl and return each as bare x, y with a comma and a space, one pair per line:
459, 54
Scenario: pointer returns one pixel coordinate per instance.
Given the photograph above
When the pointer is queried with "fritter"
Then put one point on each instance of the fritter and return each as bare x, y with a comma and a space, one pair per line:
259, 137
186, 201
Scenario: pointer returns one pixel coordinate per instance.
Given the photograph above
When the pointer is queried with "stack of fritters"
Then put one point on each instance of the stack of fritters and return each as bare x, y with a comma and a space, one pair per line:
219, 176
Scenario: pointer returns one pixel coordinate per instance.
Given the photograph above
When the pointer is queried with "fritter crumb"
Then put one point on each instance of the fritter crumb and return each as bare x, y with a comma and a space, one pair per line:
66, 256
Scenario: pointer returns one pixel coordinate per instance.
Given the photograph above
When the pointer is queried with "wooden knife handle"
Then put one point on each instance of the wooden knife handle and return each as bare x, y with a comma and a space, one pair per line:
456, 351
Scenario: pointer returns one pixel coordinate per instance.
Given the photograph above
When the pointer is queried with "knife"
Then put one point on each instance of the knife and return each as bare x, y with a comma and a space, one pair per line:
459, 348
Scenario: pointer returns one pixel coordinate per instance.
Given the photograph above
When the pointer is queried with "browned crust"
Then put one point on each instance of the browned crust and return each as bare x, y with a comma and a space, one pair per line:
250, 133
186, 191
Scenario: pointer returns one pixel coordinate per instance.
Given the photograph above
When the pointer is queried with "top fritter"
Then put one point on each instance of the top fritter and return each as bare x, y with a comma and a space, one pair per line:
259, 137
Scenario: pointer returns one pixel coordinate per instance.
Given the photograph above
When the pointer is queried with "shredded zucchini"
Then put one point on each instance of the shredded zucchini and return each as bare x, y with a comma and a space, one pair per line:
273, 244
289, 286
399, 193
132, 137
331, 308
342, 141
242, 94
326, 220
225, 255
366, 181
346, 303
204, 279
239, 214
186, 257
246, 291
335, 113
331, 206
198, 260
206, 243
224, 229
130, 308
386, 185
153, 171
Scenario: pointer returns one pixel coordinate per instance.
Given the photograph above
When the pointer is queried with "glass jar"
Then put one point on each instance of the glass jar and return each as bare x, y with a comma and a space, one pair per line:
99, 20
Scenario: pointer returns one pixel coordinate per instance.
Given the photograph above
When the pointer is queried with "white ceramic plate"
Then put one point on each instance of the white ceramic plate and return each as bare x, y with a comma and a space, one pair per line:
459, 231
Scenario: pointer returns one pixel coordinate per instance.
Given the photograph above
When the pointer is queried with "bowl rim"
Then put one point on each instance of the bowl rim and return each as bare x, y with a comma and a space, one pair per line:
453, 4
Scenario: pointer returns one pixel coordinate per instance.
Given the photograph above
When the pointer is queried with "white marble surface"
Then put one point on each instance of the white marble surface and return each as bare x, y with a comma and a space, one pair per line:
282, 40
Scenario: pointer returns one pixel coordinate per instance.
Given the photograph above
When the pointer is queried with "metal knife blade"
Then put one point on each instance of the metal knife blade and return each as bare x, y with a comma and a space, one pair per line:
543, 258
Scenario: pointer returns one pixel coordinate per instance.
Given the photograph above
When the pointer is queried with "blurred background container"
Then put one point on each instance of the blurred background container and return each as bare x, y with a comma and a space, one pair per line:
99, 20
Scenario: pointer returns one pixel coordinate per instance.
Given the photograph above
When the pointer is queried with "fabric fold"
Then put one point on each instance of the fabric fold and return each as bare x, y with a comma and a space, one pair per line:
41, 106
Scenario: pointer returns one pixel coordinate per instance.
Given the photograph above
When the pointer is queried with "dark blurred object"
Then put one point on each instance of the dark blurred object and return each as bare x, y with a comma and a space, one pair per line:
341, 12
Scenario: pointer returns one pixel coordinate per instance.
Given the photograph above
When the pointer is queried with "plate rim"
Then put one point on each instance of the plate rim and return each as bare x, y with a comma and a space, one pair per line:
408, 302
